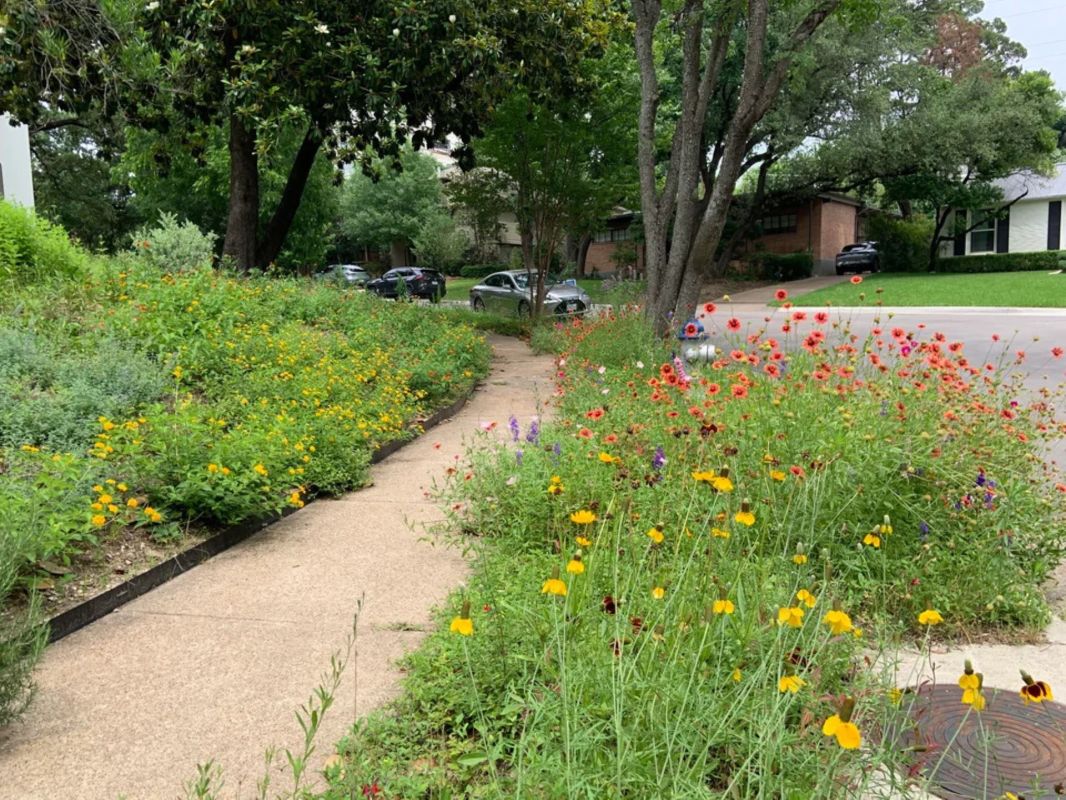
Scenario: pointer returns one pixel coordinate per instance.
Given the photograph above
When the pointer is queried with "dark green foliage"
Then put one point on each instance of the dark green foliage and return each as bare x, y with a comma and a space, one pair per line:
785, 266
480, 270
1002, 262
903, 244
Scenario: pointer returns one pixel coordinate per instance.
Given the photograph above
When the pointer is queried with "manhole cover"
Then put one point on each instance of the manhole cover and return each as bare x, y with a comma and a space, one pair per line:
1008, 747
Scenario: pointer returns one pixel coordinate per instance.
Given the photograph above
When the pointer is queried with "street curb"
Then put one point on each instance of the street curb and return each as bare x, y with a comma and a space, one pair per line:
77, 617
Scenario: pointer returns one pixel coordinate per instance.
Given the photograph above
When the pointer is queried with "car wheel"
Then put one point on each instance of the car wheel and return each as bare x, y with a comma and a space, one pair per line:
523, 308
479, 304
876, 266
840, 270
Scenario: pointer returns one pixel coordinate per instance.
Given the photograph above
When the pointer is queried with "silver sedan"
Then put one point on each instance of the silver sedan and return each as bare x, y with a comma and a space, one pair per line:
511, 292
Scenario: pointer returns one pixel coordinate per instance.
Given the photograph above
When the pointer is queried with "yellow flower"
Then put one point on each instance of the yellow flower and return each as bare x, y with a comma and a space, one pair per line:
806, 598
555, 488
97, 506
703, 476
974, 698
554, 586
719, 533
655, 535
658, 592
777, 475
969, 680
133, 502
464, 626
212, 467
296, 500
930, 617
583, 517
846, 733
872, 539
105, 499
799, 558
607, 458
98, 488
838, 622
112, 508
722, 484
261, 470
744, 517
1035, 691
737, 674
574, 566
123, 487
99, 519
152, 514
582, 541
790, 683
791, 616
178, 372
29, 448
226, 470
723, 607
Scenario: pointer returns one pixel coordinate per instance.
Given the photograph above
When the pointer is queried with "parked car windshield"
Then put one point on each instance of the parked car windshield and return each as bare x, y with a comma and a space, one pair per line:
522, 279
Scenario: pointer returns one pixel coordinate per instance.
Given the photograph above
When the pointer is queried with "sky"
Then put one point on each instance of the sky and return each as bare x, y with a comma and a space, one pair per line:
1040, 25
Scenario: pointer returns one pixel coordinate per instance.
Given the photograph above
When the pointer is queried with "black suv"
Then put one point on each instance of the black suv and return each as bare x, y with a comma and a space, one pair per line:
859, 257
424, 283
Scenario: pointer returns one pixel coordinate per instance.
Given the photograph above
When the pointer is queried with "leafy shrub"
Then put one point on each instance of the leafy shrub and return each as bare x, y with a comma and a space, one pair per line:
1001, 262
785, 266
480, 270
903, 244
32, 249
440, 244
173, 245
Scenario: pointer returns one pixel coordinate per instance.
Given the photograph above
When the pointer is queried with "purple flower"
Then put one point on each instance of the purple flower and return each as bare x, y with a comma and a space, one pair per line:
923, 530
659, 459
981, 480
518, 457
513, 425
534, 432
556, 452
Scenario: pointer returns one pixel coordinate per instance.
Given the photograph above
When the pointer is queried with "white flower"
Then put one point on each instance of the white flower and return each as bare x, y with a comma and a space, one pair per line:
640, 365
322, 28
395, 31
152, 6
605, 391
451, 18
602, 370
562, 362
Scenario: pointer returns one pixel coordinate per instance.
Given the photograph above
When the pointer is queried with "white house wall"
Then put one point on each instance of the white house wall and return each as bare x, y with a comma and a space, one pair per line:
1028, 226
17, 173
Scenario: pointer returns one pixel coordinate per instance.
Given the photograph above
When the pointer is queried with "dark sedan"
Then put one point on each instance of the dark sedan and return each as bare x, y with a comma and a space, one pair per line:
859, 257
511, 292
418, 282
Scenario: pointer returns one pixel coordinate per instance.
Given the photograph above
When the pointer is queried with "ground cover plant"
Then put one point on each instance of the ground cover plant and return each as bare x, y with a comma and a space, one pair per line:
682, 582
140, 397
1021, 289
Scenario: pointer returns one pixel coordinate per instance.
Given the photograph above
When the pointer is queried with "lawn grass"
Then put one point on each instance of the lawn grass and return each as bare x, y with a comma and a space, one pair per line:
1020, 289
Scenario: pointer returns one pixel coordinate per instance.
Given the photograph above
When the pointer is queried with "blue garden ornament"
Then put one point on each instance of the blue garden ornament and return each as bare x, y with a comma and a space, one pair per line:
692, 331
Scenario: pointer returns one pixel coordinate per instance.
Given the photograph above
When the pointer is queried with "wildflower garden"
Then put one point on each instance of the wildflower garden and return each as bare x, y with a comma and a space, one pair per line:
693, 580
154, 405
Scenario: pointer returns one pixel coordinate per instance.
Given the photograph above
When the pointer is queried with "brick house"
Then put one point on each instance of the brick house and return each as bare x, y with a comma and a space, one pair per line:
821, 226
601, 256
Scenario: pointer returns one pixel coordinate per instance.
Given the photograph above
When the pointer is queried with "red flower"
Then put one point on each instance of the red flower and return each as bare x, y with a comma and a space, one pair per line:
738, 355
709, 308
594, 414
797, 470
691, 329
856, 279
713, 388
608, 604
780, 294
799, 316
772, 370
739, 390
821, 318
733, 324
585, 433
1057, 352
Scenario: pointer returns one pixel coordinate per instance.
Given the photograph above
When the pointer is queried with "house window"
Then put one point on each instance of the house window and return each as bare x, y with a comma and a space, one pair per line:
983, 237
612, 235
779, 223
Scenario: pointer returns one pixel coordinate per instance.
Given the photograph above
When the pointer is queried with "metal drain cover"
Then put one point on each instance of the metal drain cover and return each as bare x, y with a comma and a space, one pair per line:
1008, 747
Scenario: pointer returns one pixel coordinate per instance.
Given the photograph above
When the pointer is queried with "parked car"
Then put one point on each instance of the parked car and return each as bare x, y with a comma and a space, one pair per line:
859, 257
352, 274
511, 292
420, 282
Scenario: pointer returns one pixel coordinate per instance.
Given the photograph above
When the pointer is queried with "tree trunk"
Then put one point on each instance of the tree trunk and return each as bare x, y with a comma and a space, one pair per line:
934, 245
583, 253
243, 220
281, 221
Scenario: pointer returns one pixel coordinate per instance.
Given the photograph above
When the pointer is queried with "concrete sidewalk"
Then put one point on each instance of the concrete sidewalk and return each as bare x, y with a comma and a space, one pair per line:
213, 664
765, 294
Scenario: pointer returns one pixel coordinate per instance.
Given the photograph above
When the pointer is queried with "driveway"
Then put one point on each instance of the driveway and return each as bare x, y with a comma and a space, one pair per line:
763, 295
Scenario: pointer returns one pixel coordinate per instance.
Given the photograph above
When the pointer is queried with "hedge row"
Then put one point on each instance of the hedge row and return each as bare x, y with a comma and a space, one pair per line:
786, 266
1003, 262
